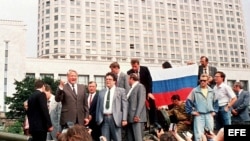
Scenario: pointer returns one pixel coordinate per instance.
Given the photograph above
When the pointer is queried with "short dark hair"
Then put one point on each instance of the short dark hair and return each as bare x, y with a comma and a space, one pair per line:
166, 65
39, 84
175, 97
206, 59
135, 61
167, 136
113, 75
222, 74
47, 88
90, 82
114, 65
134, 76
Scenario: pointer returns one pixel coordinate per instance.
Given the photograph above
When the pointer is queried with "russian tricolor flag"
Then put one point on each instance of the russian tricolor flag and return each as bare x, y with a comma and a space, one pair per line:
179, 80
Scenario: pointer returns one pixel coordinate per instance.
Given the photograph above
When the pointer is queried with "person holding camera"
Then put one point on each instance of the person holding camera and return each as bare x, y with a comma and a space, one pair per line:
202, 104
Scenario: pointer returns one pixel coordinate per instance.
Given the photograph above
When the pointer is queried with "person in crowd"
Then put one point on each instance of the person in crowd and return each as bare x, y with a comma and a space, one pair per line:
54, 112
218, 137
226, 99
38, 111
207, 69
112, 109
166, 65
122, 81
76, 133
170, 135
92, 102
145, 79
26, 121
184, 121
240, 107
136, 109
74, 101
122, 78
202, 104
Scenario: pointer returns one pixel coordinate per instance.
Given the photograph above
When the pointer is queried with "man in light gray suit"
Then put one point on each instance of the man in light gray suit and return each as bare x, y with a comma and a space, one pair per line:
54, 112
74, 101
111, 109
122, 78
240, 107
136, 109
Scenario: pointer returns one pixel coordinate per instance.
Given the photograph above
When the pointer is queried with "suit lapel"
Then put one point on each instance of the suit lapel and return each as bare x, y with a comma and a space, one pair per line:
94, 99
71, 91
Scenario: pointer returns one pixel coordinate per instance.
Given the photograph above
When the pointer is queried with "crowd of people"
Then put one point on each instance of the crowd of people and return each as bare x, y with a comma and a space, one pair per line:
119, 111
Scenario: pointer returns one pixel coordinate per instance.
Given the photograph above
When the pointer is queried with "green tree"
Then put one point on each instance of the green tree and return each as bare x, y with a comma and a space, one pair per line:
24, 89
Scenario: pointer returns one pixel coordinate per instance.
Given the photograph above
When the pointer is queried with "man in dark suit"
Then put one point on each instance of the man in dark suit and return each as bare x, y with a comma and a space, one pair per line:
122, 78
207, 69
112, 109
240, 107
38, 113
74, 101
136, 109
92, 102
146, 80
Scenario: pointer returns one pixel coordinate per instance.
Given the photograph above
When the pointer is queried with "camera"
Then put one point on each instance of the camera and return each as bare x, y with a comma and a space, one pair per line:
187, 134
172, 127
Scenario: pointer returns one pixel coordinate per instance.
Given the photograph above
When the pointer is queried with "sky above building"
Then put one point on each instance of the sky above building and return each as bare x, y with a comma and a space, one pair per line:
26, 11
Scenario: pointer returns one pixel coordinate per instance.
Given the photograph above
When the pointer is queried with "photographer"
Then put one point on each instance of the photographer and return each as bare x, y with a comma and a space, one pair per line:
172, 135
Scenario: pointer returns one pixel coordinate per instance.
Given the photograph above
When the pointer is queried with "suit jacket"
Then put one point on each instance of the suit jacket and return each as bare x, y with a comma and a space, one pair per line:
241, 106
119, 107
73, 106
54, 112
212, 71
122, 82
92, 108
38, 113
145, 78
136, 104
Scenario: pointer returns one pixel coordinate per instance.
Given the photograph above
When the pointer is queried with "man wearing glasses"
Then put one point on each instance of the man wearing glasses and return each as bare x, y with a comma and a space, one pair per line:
226, 99
202, 104
112, 109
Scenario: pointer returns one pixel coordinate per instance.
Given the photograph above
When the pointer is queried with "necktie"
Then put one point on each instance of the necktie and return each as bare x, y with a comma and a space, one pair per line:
237, 94
107, 101
90, 99
138, 74
74, 91
205, 71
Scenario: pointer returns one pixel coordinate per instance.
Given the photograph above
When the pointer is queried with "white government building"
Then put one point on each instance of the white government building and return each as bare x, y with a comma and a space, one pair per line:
88, 35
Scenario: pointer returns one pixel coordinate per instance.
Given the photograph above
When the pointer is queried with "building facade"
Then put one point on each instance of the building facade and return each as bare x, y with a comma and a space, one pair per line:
153, 30
12, 57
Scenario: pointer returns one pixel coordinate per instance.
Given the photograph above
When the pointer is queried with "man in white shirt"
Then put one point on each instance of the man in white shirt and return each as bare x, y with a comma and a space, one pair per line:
226, 98
112, 109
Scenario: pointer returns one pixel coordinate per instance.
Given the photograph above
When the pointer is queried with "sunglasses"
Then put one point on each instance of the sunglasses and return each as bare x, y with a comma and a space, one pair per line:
203, 80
